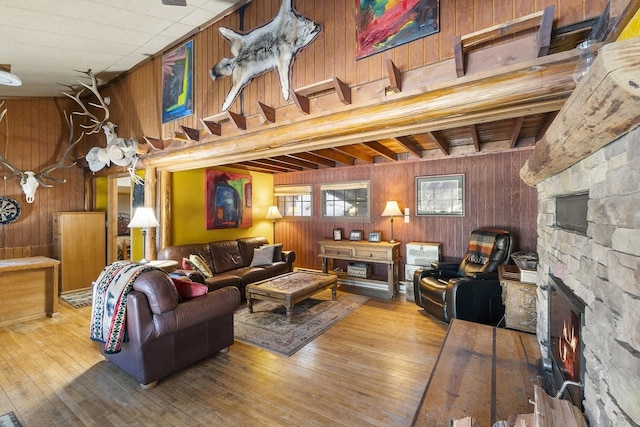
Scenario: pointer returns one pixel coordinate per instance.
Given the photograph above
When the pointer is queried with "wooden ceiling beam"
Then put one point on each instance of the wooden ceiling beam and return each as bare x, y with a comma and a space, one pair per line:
517, 127
297, 162
548, 119
314, 159
256, 164
442, 145
269, 161
382, 150
355, 151
482, 97
474, 137
331, 154
408, 143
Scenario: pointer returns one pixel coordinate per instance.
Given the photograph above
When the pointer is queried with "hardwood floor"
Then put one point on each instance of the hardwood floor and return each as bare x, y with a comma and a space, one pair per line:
370, 369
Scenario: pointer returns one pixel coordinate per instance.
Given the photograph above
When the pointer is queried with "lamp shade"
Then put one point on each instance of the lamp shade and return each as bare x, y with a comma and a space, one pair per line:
392, 209
273, 213
143, 218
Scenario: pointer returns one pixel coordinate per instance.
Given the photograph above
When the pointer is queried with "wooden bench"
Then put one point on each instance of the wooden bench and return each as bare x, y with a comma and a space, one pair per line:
482, 372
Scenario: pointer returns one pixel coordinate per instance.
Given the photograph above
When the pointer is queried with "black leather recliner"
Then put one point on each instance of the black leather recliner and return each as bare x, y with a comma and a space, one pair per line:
469, 289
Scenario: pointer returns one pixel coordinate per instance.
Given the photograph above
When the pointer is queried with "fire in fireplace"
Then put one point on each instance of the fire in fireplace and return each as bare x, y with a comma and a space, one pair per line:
565, 320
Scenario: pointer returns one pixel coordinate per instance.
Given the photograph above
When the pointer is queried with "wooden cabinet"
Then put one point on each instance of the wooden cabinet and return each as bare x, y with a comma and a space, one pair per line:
28, 289
79, 242
519, 300
367, 252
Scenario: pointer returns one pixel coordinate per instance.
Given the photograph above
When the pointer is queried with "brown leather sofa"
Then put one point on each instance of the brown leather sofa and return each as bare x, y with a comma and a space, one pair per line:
165, 334
230, 262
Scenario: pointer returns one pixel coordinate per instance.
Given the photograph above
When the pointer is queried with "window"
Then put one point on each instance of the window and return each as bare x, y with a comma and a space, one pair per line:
346, 201
293, 200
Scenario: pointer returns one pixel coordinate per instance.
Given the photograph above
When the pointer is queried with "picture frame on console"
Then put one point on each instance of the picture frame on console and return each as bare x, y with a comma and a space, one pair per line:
375, 237
355, 235
337, 234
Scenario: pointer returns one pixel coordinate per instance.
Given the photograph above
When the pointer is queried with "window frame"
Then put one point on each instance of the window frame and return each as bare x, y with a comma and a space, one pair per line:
293, 190
344, 186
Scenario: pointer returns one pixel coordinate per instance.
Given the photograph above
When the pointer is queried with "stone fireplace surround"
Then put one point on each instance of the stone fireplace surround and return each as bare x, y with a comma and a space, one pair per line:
603, 269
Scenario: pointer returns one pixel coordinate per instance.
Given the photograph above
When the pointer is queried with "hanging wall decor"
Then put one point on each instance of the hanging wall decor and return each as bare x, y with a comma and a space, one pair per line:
228, 200
273, 45
9, 210
384, 24
177, 83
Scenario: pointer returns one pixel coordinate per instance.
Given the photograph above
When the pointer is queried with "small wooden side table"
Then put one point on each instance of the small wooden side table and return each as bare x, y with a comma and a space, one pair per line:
520, 301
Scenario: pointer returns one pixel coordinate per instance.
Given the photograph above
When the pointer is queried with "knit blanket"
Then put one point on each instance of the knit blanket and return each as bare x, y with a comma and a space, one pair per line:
108, 311
480, 246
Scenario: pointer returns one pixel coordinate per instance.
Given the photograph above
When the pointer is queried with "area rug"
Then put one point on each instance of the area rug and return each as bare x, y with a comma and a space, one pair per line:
9, 420
267, 326
78, 299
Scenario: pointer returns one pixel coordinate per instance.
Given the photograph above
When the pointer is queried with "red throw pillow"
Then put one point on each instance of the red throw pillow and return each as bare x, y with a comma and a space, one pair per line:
188, 289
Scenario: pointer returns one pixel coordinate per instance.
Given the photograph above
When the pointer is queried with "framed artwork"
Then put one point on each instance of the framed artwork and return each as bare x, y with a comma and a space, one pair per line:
441, 195
337, 234
228, 199
355, 235
382, 24
177, 82
375, 236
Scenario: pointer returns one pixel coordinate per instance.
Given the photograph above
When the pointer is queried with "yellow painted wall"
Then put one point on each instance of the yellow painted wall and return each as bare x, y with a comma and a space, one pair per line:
188, 208
102, 193
632, 29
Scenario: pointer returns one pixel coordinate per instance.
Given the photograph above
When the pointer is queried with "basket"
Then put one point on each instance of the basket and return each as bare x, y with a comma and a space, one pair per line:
359, 269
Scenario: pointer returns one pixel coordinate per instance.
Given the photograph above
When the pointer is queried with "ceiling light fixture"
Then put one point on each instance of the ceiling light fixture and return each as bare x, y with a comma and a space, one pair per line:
8, 79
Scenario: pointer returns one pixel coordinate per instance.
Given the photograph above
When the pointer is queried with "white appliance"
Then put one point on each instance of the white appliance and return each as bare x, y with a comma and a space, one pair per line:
419, 255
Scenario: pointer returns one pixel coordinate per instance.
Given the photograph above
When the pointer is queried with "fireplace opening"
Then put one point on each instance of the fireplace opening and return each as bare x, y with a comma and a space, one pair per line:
565, 323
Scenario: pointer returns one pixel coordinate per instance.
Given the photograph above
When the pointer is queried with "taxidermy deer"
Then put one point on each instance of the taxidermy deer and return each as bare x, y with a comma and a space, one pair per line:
274, 45
29, 180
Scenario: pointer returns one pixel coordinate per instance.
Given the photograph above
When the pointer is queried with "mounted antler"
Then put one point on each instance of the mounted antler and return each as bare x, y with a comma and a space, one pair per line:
103, 104
29, 180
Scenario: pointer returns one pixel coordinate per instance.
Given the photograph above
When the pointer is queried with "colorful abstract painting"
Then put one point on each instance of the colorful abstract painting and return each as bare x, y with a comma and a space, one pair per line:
384, 24
228, 199
177, 83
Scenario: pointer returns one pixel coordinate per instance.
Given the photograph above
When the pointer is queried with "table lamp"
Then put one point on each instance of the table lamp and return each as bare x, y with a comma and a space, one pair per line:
144, 218
273, 213
392, 209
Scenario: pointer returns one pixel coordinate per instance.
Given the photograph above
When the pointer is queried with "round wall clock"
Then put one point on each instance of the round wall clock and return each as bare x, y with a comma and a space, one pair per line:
9, 210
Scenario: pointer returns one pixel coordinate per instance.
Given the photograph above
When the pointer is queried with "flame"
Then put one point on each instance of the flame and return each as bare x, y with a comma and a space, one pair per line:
568, 343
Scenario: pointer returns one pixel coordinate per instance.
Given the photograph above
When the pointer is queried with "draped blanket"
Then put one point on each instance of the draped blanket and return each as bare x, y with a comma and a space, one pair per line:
480, 246
108, 311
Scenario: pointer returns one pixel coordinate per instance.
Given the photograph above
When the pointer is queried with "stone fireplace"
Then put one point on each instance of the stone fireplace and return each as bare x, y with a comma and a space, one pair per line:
602, 268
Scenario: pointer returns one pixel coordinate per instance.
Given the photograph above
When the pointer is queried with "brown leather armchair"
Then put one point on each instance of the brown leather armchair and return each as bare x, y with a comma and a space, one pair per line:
165, 334
468, 289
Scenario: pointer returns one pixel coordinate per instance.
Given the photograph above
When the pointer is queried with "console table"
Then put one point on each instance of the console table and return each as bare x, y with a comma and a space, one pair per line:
28, 288
358, 251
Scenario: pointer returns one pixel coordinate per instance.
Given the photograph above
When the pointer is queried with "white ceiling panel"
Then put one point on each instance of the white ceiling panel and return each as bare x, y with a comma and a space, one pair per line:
47, 42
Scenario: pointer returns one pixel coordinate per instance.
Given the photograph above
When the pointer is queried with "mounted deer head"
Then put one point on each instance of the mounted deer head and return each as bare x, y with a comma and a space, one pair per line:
29, 180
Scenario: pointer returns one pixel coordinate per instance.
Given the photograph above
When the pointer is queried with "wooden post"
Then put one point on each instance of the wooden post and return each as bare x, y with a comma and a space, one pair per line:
602, 108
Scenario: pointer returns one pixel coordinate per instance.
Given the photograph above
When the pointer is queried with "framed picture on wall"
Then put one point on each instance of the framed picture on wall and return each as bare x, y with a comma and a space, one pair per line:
177, 82
440, 195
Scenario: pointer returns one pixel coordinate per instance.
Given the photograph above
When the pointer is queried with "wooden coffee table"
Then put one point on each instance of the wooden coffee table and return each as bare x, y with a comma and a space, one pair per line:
290, 288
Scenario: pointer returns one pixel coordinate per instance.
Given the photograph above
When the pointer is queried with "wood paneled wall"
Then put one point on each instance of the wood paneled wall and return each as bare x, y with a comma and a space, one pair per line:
36, 127
332, 53
33, 135
494, 197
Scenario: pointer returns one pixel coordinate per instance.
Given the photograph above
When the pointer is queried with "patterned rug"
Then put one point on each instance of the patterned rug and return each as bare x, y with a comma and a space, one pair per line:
9, 420
77, 299
267, 326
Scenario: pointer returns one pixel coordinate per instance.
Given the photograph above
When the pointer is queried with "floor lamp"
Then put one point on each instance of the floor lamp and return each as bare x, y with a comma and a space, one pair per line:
392, 209
273, 213
144, 218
